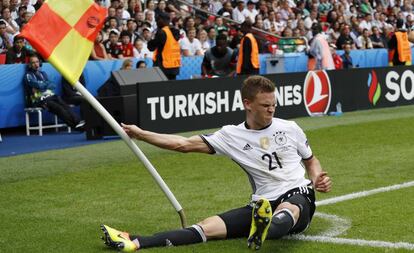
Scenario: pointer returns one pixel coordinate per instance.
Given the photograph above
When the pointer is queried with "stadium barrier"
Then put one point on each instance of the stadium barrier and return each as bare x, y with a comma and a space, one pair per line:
97, 72
210, 103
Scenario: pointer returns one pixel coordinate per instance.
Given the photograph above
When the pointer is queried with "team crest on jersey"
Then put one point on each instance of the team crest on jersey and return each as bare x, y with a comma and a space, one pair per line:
264, 142
280, 138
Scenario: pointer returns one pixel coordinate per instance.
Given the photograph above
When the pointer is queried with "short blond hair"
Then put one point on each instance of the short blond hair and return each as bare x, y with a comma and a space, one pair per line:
254, 85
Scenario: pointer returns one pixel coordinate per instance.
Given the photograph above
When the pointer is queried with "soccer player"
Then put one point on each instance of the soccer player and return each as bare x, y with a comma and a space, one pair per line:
271, 151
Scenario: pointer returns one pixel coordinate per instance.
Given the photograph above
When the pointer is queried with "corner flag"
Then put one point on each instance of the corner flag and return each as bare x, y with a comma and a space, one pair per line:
63, 32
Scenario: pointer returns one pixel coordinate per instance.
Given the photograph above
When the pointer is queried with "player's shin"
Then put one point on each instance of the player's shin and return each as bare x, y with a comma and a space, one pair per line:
190, 235
281, 224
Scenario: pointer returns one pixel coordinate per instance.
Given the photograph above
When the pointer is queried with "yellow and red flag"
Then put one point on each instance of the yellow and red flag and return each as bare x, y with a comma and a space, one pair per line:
63, 32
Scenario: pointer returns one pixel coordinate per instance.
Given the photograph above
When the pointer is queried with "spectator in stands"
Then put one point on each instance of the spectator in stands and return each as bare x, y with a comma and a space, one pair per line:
28, 5
345, 38
5, 38
139, 18
285, 10
18, 53
333, 32
366, 23
227, 7
324, 7
215, 6
259, 23
220, 59
319, 49
111, 25
248, 58
166, 47
365, 7
269, 24
202, 37
22, 11
251, 11
40, 93
190, 45
125, 13
364, 40
146, 35
211, 36
14, 7
98, 50
126, 45
141, 65
311, 19
112, 46
399, 47
140, 50
346, 57
161, 7
219, 26
134, 6
150, 6
263, 10
150, 18
240, 13
120, 15
178, 23
11, 25
127, 64
188, 23
112, 14
377, 39
132, 29
335, 57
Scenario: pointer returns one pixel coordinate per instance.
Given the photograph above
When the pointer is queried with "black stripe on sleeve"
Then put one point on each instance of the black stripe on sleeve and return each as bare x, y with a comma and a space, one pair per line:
307, 159
212, 151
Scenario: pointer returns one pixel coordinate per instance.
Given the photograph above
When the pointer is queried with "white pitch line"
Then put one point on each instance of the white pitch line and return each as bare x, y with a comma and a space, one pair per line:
358, 242
363, 194
340, 225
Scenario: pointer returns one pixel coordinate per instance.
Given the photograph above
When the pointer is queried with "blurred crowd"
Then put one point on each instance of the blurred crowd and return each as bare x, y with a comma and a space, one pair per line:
130, 25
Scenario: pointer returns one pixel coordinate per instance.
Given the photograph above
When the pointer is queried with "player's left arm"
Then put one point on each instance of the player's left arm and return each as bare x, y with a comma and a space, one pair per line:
320, 179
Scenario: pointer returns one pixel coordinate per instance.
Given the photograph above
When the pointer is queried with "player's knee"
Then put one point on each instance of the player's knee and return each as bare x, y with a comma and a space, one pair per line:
213, 227
294, 209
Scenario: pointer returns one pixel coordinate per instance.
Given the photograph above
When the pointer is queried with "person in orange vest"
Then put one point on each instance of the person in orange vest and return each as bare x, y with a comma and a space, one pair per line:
248, 60
399, 47
166, 47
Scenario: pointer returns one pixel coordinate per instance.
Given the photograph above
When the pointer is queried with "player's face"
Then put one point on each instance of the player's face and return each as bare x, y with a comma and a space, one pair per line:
262, 108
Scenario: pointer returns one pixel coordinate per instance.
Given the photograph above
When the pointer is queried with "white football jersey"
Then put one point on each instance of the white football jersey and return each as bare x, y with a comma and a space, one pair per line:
271, 157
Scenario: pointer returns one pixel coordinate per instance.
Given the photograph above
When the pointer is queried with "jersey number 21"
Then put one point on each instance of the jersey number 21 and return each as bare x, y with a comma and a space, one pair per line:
270, 158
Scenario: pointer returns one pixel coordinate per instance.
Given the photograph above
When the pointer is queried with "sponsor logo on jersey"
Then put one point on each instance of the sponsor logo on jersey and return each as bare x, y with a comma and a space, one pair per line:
264, 142
247, 147
280, 138
317, 92
374, 86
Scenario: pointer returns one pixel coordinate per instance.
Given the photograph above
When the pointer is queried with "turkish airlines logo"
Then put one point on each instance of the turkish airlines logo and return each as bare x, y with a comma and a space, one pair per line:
317, 92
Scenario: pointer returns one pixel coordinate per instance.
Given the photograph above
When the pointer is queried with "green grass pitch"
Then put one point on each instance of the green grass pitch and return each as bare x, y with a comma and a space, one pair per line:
55, 201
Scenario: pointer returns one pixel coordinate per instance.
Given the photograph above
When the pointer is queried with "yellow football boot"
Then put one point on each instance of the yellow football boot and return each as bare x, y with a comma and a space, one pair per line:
118, 239
261, 217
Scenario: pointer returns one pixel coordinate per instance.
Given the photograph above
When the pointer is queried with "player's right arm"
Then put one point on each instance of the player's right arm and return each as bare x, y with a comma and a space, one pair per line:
168, 141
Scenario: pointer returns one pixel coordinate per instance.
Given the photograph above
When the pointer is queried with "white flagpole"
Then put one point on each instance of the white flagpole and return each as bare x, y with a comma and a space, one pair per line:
137, 151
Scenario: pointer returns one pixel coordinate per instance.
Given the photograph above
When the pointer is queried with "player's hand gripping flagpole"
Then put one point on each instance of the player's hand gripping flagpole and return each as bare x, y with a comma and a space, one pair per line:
63, 32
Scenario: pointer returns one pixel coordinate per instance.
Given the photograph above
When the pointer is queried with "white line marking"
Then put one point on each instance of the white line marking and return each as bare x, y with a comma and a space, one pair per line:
363, 194
340, 225
358, 242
